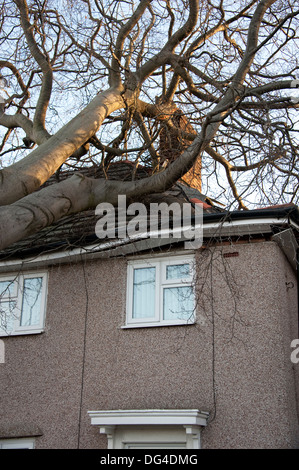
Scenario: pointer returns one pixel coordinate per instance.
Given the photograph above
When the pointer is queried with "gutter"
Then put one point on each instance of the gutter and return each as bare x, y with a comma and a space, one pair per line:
291, 212
214, 225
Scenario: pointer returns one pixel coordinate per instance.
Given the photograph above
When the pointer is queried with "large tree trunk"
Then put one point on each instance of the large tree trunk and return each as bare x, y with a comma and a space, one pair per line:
30, 173
42, 208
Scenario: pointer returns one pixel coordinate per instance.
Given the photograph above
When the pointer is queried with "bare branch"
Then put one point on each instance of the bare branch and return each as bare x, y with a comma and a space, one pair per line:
43, 61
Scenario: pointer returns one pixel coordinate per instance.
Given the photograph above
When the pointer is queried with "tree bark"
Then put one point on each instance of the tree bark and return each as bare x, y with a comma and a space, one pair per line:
27, 175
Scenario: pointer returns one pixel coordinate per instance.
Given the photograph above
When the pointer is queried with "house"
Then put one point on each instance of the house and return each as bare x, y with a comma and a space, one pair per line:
147, 344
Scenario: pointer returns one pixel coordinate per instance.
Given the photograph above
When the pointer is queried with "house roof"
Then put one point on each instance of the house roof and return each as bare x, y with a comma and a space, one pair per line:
79, 230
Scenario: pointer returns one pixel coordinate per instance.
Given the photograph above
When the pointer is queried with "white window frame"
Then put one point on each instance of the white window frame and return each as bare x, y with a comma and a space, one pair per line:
17, 296
161, 282
21, 443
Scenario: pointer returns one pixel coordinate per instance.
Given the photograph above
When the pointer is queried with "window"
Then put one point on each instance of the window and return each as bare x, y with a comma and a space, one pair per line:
23, 443
149, 437
22, 304
160, 292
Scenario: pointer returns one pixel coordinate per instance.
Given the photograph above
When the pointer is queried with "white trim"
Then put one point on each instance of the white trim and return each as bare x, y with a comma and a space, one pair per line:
184, 417
102, 250
122, 427
242, 227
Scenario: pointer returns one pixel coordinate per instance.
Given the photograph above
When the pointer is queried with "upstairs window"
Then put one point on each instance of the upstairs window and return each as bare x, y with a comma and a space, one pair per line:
160, 292
22, 304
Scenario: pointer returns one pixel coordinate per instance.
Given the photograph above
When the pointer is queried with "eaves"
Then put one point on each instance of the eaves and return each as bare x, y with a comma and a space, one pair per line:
216, 226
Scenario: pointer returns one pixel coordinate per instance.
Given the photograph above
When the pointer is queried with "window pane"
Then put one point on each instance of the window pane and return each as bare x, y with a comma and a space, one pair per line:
177, 271
7, 288
178, 303
31, 303
144, 284
7, 315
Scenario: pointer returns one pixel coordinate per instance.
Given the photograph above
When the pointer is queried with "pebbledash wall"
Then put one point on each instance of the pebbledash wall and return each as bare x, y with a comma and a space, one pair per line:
234, 362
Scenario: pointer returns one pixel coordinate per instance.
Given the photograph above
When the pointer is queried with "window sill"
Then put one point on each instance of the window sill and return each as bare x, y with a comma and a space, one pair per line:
157, 324
37, 331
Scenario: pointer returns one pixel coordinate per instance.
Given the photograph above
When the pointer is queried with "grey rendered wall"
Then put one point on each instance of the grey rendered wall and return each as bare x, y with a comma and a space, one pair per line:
234, 363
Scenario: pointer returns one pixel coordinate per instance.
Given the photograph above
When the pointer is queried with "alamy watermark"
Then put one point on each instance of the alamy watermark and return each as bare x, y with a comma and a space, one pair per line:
158, 220
295, 353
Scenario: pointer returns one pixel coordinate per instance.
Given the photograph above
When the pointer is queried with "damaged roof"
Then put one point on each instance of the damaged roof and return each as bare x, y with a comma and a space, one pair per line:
78, 230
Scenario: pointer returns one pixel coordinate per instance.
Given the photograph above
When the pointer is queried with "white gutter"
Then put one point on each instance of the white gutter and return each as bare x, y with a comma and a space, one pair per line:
138, 243
242, 227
